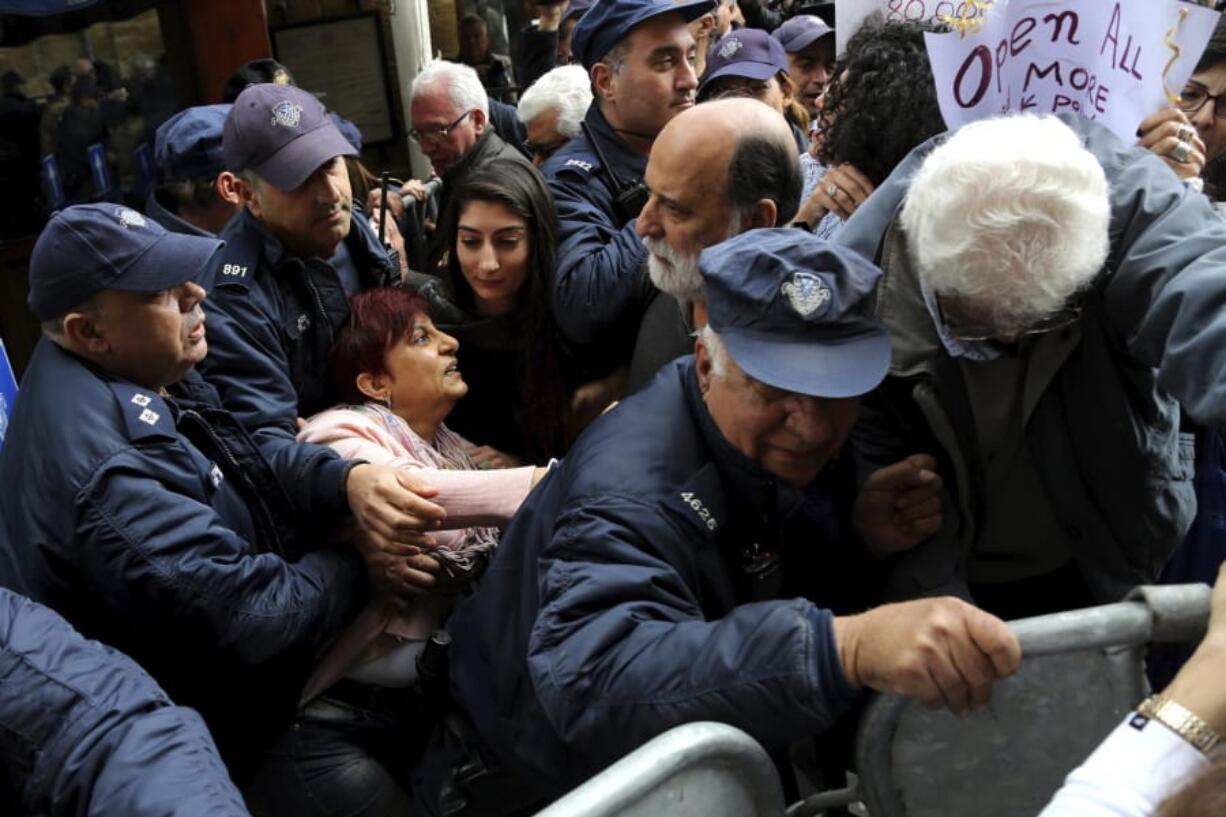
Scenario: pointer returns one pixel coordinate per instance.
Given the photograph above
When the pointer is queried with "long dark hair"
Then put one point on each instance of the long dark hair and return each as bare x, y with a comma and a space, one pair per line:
542, 412
886, 106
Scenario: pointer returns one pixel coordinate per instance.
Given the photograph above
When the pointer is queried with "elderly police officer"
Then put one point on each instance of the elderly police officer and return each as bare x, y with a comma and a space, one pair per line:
281, 286
195, 194
638, 54
151, 523
643, 585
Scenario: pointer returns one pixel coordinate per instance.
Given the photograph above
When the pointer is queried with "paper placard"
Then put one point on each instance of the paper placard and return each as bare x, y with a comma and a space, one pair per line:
1108, 60
849, 15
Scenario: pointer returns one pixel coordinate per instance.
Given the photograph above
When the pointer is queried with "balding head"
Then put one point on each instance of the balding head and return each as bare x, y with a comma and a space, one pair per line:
694, 205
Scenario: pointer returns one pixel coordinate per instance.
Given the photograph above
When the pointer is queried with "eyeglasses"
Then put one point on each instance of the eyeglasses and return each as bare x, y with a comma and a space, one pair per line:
972, 333
1194, 97
543, 152
439, 134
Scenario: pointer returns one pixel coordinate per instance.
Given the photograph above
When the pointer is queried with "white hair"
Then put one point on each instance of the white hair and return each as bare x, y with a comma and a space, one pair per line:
680, 277
1010, 215
711, 341
460, 82
566, 89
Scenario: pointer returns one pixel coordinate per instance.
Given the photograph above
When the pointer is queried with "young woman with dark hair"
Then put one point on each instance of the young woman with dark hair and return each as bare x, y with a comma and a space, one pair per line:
500, 235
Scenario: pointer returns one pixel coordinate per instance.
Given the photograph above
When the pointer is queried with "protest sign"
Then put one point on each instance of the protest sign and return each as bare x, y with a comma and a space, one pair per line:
849, 15
1114, 61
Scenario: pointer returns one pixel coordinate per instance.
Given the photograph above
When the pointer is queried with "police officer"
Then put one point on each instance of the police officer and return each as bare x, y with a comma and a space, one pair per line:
195, 194
99, 736
280, 287
655, 578
153, 523
638, 54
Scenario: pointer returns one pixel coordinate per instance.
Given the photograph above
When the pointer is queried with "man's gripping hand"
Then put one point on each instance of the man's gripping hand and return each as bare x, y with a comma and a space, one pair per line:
942, 652
393, 504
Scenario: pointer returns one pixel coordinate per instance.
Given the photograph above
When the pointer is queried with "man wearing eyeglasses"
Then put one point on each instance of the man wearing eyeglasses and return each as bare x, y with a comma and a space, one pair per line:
451, 122
1053, 298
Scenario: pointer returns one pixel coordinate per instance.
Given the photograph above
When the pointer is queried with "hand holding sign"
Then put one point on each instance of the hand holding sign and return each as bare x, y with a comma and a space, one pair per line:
1169, 135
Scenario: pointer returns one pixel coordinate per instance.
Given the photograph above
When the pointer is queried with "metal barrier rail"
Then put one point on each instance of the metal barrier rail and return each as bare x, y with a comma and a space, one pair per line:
696, 770
1167, 614
715, 770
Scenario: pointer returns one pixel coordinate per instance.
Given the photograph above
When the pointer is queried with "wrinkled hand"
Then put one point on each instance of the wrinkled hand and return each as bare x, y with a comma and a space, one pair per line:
395, 206
391, 235
942, 652
393, 504
1198, 685
485, 457
851, 188
415, 188
1158, 134
899, 506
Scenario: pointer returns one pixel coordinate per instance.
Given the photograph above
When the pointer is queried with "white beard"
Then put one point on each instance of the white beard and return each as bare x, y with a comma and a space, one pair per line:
673, 272
677, 273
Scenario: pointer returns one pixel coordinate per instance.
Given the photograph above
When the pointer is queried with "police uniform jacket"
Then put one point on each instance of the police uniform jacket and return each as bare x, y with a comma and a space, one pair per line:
272, 319
154, 524
84, 730
1102, 397
654, 579
601, 288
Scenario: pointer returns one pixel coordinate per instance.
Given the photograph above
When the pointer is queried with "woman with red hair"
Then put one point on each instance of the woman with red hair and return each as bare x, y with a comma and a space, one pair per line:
363, 714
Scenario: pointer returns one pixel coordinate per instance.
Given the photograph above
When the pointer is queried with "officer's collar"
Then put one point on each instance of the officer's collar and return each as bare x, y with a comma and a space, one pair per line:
750, 483
274, 252
271, 248
613, 146
164, 214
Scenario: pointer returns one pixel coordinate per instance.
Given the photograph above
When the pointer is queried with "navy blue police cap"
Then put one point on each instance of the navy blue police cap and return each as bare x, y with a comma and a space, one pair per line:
87, 248
796, 312
800, 31
608, 21
746, 52
188, 144
282, 134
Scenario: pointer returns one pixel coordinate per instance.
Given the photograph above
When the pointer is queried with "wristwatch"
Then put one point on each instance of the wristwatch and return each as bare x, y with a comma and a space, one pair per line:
1180, 720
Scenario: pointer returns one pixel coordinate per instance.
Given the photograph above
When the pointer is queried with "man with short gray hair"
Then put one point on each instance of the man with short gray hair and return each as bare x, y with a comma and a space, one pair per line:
450, 112
553, 109
1053, 297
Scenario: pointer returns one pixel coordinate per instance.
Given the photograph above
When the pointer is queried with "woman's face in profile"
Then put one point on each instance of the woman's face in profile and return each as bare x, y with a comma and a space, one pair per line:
493, 247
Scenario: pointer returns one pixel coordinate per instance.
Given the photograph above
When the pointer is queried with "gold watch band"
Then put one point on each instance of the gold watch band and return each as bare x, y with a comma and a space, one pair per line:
1180, 720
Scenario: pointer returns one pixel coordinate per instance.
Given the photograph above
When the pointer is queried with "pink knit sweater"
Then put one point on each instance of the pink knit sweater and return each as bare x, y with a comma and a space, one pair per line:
471, 498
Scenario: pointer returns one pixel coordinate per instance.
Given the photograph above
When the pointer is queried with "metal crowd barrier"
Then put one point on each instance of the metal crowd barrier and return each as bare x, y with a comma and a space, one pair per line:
696, 770
1082, 670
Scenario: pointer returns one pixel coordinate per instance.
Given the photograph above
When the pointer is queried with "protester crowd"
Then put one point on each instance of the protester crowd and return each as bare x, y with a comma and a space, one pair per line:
731, 387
